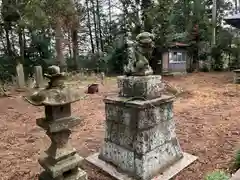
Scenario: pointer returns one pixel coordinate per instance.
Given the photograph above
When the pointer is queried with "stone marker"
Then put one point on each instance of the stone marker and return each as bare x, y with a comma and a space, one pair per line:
60, 161
20, 76
140, 141
102, 78
236, 76
38, 76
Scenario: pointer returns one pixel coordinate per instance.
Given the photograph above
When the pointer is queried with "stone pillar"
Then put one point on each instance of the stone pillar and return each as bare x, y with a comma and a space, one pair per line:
102, 78
20, 76
236, 76
140, 139
60, 161
38, 76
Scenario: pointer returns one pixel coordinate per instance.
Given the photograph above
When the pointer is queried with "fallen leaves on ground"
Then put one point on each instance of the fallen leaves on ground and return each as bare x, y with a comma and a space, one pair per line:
206, 114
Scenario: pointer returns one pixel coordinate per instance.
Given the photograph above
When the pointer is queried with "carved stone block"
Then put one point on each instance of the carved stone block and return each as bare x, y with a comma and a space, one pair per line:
57, 112
140, 138
139, 114
146, 87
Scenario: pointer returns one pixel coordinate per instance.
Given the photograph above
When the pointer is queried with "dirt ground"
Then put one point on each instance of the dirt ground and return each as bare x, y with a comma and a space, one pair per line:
207, 118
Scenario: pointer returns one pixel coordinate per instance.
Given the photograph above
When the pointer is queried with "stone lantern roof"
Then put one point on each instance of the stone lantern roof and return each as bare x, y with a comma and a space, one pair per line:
56, 93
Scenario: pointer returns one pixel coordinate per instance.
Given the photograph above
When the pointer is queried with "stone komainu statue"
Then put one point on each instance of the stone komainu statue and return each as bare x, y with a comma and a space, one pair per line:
139, 53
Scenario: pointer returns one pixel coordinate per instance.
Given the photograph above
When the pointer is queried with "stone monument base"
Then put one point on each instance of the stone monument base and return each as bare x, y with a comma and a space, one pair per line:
140, 141
169, 173
79, 175
62, 170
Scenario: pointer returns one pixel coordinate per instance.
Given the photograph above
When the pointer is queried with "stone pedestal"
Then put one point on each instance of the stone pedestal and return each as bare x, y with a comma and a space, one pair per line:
140, 138
236, 76
60, 160
143, 87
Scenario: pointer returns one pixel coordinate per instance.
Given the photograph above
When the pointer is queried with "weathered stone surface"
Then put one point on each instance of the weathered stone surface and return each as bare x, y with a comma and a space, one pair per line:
57, 112
60, 148
138, 54
140, 141
60, 161
145, 87
120, 134
154, 115
58, 169
78, 175
59, 125
157, 160
20, 76
54, 96
236, 76
137, 103
138, 114
167, 174
140, 137
60, 153
152, 138
119, 156
121, 114
38, 76
143, 167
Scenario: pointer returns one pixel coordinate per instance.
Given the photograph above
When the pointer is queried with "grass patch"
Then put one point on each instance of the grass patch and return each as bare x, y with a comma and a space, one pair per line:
217, 175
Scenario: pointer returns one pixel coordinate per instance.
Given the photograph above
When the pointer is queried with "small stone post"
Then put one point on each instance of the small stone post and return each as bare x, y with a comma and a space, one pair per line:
236, 76
102, 78
20, 76
60, 161
38, 76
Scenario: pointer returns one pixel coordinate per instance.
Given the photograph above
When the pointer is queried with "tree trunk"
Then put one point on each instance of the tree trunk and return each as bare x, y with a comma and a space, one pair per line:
236, 6
214, 23
75, 47
145, 5
214, 18
110, 20
186, 14
125, 15
9, 48
21, 44
70, 48
196, 14
89, 27
138, 22
59, 46
14, 50
99, 25
95, 25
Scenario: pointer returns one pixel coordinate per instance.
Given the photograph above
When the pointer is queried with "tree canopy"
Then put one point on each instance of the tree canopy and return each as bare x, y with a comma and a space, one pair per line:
90, 34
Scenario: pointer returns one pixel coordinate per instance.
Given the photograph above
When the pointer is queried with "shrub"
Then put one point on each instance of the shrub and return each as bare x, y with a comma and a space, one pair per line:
217, 175
237, 160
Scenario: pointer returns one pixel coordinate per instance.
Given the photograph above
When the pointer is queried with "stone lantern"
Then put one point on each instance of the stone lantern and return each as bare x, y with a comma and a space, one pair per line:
60, 161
